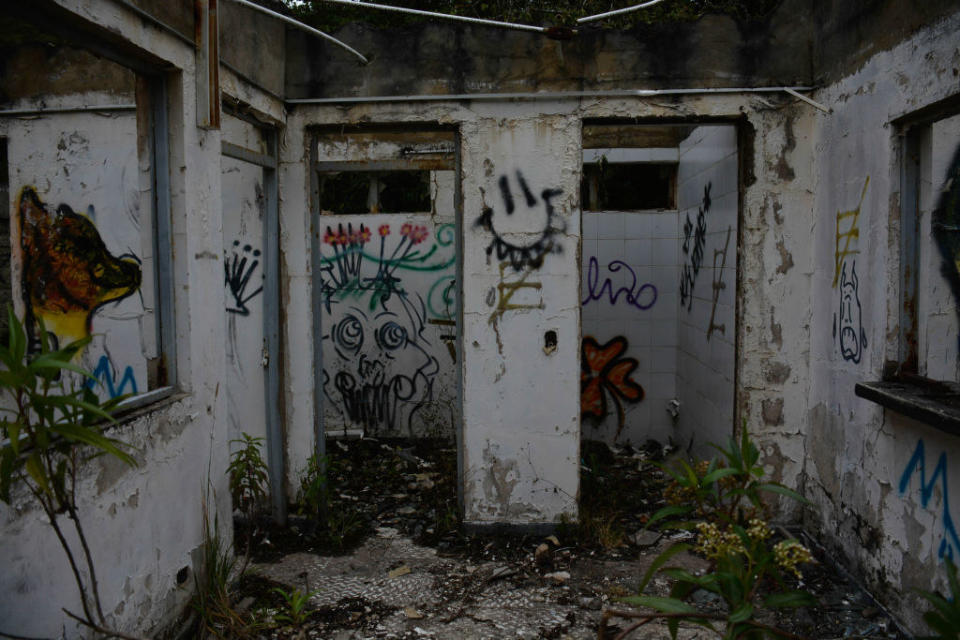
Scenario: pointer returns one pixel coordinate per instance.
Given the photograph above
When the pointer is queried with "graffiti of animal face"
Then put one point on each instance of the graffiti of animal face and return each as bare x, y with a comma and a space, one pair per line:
382, 372
67, 273
853, 339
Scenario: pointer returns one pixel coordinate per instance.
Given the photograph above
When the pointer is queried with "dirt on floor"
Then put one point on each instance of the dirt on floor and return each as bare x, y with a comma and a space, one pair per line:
392, 561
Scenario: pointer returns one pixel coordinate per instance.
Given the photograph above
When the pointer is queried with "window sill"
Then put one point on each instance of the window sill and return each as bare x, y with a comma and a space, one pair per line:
931, 402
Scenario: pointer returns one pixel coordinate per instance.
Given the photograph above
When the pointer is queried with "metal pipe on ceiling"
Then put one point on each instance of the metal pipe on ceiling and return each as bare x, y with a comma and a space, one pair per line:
617, 12
444, 16
302, 26
550, 95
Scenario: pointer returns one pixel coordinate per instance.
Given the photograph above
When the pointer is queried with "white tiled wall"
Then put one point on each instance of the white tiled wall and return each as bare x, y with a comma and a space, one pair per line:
668, 341
705, 365
646, 242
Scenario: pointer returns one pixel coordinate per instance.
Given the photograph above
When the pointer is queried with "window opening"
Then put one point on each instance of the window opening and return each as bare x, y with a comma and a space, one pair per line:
87, 174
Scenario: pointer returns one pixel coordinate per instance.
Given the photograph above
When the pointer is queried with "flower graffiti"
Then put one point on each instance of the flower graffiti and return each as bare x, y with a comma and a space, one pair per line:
605, 372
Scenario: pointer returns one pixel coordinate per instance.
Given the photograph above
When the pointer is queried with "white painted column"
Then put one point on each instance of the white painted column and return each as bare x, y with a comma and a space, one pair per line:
521, 317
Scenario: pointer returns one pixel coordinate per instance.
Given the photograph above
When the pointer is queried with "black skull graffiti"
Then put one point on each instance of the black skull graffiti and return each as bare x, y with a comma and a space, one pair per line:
383, 372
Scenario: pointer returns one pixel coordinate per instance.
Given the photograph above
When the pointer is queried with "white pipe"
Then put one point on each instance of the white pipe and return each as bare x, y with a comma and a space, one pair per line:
808, 100
545, 95
304, 27
617, 12
83, 109
445, 16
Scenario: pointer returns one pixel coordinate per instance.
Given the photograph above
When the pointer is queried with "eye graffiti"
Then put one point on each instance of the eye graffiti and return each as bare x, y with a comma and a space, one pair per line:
533, 218
383, 371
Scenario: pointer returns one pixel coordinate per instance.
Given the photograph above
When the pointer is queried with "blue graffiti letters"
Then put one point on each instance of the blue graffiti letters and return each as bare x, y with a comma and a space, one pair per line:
104, 374
928, 485
641, 296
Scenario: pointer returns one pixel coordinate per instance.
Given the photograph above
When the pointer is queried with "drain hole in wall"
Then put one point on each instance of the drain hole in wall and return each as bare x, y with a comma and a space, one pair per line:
550, 342
183, 575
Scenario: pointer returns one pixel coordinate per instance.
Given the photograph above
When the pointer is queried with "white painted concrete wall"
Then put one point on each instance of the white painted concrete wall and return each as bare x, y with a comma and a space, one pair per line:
243, 202
144, 524
883, 484
707, 198
521, 410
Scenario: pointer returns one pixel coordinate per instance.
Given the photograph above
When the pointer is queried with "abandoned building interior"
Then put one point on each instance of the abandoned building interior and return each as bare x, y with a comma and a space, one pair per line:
488, 236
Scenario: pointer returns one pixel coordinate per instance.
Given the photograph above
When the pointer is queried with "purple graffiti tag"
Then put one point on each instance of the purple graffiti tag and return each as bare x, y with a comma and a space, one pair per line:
633, 293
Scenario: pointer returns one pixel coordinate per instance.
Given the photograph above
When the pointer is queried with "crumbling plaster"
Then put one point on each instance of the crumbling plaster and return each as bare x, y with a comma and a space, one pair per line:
856, 450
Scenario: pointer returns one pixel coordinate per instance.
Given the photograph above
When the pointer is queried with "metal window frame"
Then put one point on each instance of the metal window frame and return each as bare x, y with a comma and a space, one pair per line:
910, 192
276, 469
162, 238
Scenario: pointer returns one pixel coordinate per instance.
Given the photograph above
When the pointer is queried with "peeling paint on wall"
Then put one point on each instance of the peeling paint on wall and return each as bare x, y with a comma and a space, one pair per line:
935, 484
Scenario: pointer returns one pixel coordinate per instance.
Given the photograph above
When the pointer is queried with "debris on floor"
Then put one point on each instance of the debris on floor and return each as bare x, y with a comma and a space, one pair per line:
409, 572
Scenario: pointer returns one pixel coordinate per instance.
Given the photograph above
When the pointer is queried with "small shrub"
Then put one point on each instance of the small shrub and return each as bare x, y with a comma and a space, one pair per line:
721, 500
295, 610
314, 493
248, 475
52, 425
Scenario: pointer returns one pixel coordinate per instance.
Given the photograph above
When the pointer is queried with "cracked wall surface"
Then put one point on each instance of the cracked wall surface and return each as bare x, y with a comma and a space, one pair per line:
881, 482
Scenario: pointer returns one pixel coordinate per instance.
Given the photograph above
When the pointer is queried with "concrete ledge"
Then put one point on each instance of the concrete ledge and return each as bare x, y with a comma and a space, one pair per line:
934, 403
511, 529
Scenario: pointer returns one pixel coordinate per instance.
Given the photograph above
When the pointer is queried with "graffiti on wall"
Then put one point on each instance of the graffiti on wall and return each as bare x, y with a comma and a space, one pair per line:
848, 328
538, 219
931, 485
694, 238
606, 373
642, 296
67, 272
718, 285
362, 267
379, 369
946, 226
847, 322
106, 376
240, 267
848, 232
508, 288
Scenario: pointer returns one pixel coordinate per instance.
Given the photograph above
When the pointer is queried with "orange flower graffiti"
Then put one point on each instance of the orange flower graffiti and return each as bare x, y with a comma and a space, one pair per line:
603, 371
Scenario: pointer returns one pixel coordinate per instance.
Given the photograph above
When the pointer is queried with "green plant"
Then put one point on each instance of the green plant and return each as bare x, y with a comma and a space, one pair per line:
722, 501
944, 618
212, 598
52, 423
296, 601
314, 492
248, 474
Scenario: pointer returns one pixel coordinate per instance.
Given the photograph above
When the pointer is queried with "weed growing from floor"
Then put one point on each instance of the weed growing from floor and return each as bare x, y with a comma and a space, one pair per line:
248, 475
295, 610
722, 501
